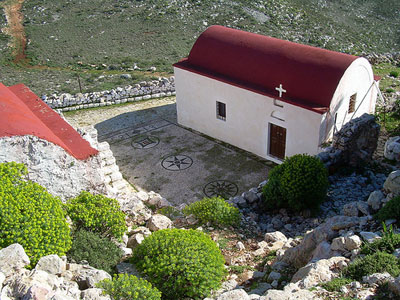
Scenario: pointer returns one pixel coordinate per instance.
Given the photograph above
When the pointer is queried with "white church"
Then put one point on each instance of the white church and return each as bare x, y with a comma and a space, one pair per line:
268, 96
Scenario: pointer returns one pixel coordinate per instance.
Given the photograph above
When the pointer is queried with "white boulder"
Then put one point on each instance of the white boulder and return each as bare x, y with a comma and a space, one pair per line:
272, 237
375, 199
158, 222
238, 294
392, 148
52, 264
13, 258
392, 183
323, 270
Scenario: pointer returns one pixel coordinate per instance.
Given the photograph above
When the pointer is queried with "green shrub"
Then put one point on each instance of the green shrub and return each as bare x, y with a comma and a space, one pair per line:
97, 213
180, 263
300, 182
394, 74
214, 210
30, 216
124, 287
391, 210
388, 243
272, 190
98, 251
335, 284
374, 263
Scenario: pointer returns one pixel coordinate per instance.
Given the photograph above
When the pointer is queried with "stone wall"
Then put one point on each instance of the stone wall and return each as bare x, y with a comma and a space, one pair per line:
144, 90
52, 167
63, 175
375, 58
354, 144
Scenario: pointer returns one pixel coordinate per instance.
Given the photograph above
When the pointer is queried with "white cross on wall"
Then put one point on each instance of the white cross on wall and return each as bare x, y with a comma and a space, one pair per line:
280, 90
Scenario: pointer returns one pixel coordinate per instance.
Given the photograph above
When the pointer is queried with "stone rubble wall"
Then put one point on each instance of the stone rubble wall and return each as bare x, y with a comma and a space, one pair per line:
375, 58
52, 167
354, 144
164, 87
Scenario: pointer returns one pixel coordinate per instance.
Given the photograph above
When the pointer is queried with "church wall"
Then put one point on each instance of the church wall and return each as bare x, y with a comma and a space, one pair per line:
248, 116
358, 78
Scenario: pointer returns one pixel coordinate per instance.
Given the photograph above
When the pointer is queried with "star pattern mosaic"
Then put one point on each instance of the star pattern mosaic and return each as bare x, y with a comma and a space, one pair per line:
177, 162
222, 188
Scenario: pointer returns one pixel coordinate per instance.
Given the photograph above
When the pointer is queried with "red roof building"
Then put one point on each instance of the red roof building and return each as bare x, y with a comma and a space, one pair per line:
282, 73
24, 113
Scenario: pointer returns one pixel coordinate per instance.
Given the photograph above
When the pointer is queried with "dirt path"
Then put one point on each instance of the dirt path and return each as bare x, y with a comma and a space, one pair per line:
15, 29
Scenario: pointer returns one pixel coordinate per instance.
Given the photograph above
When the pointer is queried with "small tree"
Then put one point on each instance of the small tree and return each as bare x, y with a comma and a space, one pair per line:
300, 182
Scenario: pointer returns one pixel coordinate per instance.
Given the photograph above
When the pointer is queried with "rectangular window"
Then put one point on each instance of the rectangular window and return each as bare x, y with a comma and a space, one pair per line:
221, 111
352, 103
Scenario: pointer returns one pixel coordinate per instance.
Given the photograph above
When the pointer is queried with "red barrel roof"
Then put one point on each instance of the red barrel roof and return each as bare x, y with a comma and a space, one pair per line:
24, 113
260, 63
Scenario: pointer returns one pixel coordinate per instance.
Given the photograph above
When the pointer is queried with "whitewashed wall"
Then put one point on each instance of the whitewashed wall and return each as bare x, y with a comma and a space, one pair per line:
358, 78
248, 116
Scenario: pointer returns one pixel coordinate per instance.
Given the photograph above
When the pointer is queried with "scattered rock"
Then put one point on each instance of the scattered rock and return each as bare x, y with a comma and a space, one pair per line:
94, 294
375, 200
52, 264
394, 285
290, 292
350, 209
369, 236
240, 246
238, 294
392, 148
272, 237
377, 278
392, 183
12, 259
274, 276
135, 240
321, 271
261, 288
352, 242
158, 222
338, 244
300, 255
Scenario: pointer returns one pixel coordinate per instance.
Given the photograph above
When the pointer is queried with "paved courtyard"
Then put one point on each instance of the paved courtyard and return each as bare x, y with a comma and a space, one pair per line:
156, 154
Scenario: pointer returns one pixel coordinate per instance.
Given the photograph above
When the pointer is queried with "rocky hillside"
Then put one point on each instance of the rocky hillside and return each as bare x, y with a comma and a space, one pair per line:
103, 39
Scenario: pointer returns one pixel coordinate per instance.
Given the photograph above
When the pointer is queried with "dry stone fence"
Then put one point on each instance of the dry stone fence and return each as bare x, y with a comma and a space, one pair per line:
163, 87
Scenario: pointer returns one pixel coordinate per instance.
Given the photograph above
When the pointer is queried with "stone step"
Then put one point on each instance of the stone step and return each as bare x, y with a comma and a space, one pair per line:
104, 146
119, 185
106, 154
108, 170
116, 176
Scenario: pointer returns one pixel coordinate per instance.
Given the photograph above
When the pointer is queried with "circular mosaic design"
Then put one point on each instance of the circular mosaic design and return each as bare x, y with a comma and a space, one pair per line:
177, 162
222, 188
145, 141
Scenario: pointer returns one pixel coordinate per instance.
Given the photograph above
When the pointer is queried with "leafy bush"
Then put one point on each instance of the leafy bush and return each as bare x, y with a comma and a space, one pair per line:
214, 210
30, 216
272, 190
335, 284
391, 210
97, 213
124, 286
300, 182
98, 251
180, 263
374, 263
388, 243
394, 74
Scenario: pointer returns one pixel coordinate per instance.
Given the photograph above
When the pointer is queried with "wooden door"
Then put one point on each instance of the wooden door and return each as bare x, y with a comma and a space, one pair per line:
277, 141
